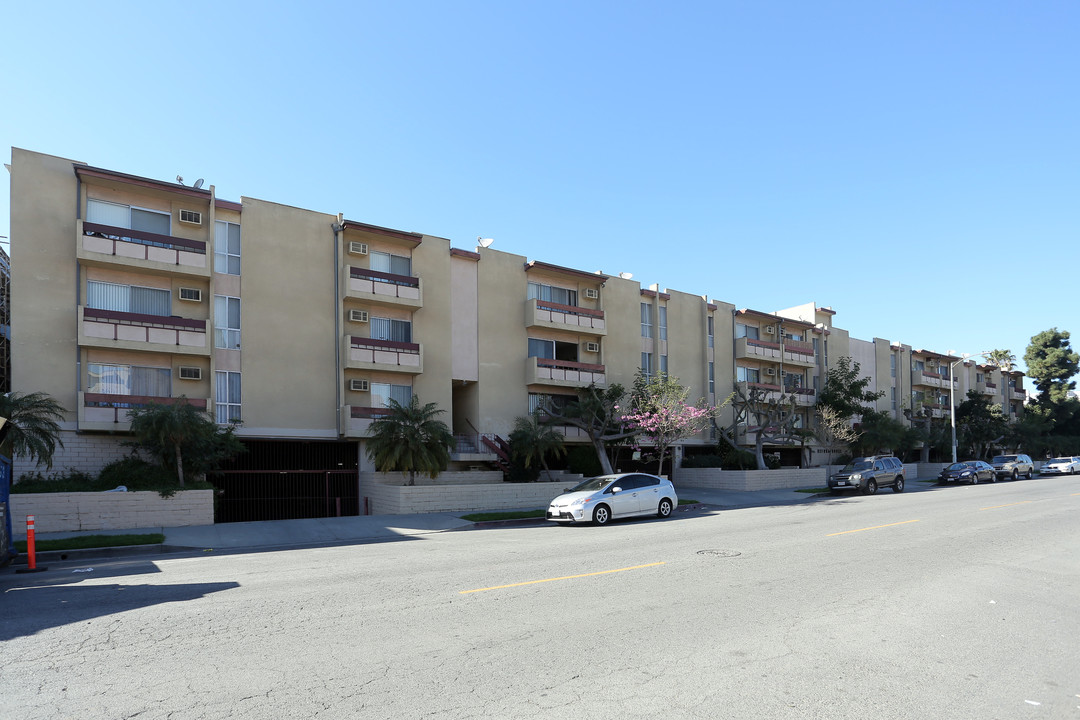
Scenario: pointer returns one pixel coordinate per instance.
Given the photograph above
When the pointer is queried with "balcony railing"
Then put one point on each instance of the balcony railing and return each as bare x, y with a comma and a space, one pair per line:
109, 411
389, 354
383, 277
106, 326
141, 237
135, 247
389, 288
567, 373
569, 317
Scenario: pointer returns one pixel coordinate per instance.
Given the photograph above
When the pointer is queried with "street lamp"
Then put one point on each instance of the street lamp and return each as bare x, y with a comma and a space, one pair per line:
952, 399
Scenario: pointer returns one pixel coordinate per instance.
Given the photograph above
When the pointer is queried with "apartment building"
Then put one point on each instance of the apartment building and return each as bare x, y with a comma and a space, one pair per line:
300, 326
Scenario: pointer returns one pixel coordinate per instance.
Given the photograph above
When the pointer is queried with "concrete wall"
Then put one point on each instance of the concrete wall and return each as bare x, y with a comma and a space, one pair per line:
399, 500
749, 479
463, 477
68, 512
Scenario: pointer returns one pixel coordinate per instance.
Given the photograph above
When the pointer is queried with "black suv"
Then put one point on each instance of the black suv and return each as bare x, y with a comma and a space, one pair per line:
867, 474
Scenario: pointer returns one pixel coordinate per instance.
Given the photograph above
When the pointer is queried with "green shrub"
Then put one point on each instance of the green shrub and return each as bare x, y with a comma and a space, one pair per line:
703, 461
733, 458
132, 472
61, 481
582, 459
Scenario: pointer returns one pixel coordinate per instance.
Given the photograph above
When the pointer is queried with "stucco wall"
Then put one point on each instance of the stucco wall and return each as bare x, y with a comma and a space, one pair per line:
398, 500
68, 512
749, 479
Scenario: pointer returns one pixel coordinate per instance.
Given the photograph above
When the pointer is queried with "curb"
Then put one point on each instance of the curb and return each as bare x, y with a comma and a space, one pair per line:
99, 553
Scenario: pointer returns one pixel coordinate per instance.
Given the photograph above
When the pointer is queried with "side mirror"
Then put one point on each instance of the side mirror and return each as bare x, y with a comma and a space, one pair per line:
616, 490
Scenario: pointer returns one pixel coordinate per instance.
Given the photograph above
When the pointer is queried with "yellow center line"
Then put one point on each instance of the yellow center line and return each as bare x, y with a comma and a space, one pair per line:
905, 522
565, 577
1023, 502
1072, 494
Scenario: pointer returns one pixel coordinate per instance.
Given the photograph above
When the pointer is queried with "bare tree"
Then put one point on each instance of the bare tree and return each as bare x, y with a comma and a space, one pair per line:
770, 414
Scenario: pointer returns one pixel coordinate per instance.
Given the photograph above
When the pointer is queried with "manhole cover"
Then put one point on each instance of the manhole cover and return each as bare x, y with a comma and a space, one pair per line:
720, 553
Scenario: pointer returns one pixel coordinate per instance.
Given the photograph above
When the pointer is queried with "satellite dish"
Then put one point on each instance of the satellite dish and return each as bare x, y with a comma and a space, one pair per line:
626, 275
198, 184
485, 242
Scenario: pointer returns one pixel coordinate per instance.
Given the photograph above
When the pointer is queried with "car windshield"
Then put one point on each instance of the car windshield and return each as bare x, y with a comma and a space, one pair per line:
1004, 458
593, 484
857, 465
1059, 460
959, 466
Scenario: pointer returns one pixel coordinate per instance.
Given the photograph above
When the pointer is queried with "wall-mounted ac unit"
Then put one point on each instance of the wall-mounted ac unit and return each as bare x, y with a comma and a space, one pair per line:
191, 217
358, 316
357, 248
359, 385
770, 330
770, 371
592, 293
190, 294
592, 347
187, 372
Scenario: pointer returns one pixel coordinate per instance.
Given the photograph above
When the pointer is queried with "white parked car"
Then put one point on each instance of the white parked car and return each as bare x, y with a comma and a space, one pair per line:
1061, 466
600, 499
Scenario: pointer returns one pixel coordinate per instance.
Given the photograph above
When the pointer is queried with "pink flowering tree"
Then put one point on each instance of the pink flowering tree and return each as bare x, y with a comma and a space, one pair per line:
661, 414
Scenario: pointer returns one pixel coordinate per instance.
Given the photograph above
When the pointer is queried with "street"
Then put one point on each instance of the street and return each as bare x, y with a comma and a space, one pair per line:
960, 602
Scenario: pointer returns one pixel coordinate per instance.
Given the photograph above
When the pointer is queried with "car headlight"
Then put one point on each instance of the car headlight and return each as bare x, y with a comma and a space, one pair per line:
965, 473
580, 501
857, 476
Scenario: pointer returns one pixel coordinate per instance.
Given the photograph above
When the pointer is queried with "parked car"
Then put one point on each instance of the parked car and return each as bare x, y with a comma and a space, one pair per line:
601, 499
867, 474
1013, 466
1061, 466
969, 471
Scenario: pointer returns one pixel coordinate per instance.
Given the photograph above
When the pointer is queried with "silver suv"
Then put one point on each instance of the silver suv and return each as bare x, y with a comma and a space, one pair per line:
1013, 466
867, 474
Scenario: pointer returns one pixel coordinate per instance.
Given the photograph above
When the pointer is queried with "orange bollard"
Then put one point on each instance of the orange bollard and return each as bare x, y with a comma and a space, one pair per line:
31, 549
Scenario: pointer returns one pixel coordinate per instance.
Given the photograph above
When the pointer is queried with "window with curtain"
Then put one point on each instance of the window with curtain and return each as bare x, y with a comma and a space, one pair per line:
745, 374
710, 331
382, 393
226, 322
387, 329
125, 216
646, 323
111, 379
227, 397
663, 322
387, 263
552, 293
542, 348
747, 331
663, 364
712, 378
646, 365
226, 248
128, 298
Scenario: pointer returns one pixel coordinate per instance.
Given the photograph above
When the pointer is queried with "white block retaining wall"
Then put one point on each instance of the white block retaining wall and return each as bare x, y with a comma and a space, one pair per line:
749, 479
86, 453
401, 500
463, 477
67, 512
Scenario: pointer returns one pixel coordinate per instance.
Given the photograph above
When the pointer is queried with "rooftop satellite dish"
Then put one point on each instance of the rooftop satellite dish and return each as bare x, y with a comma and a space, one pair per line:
626, 275
198, 184
485, 242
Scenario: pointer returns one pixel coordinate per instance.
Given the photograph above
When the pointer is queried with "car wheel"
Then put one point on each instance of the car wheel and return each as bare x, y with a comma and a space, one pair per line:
663, 510
871, 487
1028, 476
898, 486
601, 515
993, 477
1015, 475
974, 479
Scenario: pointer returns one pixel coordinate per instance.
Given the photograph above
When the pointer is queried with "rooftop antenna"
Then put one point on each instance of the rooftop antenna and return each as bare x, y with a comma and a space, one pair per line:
484, 242
626, 275
198, 184
180, 179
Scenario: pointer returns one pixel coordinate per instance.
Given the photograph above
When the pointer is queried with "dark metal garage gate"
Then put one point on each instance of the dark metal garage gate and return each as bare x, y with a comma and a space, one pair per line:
287, 479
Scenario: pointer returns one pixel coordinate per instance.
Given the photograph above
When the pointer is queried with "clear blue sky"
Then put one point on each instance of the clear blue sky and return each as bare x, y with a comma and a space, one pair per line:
914, 165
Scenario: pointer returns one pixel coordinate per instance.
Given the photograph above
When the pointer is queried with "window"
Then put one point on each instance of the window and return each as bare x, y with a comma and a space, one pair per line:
226, 247
387, 263
918, 365
552, 350
745, 374
712, 377
227, 397
893, 397
383, 393
892, 367
226, 322
646, 323
793, 380
125, 216
793, 336
646, 365
557, 402
129, 380
978, 377
663, 322
663, 364
710, 331
746, 331
552, 294
128, 298
394, 330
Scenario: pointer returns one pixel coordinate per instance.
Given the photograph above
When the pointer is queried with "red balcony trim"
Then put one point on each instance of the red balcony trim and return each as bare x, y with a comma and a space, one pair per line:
799, 346
764, 386
142, 237
762, 343
362, 342
570, 309
800, 391
568, 365
129, 318
360, 413
928, 373
383, 277
113, 400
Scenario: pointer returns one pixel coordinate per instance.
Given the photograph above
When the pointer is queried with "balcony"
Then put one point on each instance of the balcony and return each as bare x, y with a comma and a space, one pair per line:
747, 349
109, 246
107, 412
926, 378
382, 288
799, 353
765, 391
136, 331
540, 313
986, 388
356, 420
563, 373
387, 355
804, 397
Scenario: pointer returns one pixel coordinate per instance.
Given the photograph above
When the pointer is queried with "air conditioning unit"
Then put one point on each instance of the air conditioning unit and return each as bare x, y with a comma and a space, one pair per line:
357, 248
770, 330
191, 217
770, 371
592, 293
358, 316
190, 294
592, 347
187, 372
359, 385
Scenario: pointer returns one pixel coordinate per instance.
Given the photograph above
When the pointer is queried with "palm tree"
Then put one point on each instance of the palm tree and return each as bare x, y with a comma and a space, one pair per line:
533, 440
1002, 358
408, 439
32, 429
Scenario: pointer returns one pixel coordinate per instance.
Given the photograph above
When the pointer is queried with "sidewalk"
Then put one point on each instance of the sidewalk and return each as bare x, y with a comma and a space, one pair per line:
280, 534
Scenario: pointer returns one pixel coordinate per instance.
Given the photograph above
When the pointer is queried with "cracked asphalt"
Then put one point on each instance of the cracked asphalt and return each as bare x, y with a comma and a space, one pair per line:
962, 603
